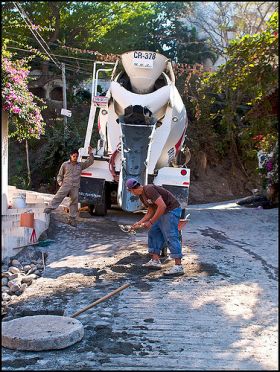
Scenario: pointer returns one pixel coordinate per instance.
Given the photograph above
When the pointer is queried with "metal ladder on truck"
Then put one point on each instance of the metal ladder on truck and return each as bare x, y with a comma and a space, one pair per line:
97, 102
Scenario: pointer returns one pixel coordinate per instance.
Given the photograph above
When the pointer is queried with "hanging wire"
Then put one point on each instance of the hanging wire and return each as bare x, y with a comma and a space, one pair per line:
90, 62
71, 67
36, 33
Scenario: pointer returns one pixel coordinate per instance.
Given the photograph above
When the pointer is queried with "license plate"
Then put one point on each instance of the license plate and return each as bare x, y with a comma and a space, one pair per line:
144, 59
100, 101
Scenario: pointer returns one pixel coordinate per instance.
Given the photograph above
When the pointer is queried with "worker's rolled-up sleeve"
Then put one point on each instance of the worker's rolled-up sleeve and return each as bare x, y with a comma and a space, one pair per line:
88, 162
60, 175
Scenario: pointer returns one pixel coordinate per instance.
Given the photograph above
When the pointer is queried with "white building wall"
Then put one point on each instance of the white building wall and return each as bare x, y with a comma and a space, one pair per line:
4, 165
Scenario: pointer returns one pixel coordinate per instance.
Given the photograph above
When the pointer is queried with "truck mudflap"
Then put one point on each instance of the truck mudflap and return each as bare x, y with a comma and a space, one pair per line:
92, 191
181, 193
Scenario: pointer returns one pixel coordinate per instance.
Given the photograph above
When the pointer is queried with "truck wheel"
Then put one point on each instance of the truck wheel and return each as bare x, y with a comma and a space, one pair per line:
108, 197
91, 209
101, 209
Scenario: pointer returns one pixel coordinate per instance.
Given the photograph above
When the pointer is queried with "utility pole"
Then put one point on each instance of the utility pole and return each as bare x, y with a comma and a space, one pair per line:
64, 100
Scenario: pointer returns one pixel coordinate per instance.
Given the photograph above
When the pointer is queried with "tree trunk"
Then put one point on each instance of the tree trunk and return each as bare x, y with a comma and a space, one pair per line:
28, 164
235, 156
55, 12
54, 8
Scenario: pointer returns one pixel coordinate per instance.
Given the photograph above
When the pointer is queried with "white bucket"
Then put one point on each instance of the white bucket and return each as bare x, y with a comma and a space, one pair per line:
19, 201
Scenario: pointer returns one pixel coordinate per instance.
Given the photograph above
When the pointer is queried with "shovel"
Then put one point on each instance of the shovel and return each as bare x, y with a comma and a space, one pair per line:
129, 229
104, 298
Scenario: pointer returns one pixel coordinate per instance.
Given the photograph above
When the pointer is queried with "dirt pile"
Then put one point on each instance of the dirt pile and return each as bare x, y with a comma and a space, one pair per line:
219, 182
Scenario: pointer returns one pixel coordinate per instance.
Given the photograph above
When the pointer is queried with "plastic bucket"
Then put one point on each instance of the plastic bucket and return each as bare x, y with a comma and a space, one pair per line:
19, 201
27, 220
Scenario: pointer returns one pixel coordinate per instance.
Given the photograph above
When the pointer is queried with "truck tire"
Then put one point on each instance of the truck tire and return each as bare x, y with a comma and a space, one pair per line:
98, 210
101, 209
108, 197
91, 209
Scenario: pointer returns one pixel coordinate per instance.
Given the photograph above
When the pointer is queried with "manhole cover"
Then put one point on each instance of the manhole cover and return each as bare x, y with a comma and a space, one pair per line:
41, 332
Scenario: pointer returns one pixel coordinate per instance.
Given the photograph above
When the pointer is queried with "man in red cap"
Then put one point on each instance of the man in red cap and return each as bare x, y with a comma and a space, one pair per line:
162, 220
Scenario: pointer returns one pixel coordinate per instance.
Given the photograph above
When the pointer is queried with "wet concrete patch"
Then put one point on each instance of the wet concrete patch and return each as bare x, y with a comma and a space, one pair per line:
55, 273
102, 337
222, 238
194, 270
149, 320
32, 312
131, 268
19, 362
198, 269
217, 247
131, 264
216, 235
127, 268
133, 258
142, 285
104, 360
208, 269
140, 327
47, 305
86, 227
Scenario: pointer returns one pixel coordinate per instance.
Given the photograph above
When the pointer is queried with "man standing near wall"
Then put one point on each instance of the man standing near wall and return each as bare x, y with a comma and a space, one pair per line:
68, 179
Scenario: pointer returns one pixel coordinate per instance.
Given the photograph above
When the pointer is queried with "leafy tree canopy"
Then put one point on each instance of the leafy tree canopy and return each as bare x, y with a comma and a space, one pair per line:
105, 27
77, 24
251, 70
226, 99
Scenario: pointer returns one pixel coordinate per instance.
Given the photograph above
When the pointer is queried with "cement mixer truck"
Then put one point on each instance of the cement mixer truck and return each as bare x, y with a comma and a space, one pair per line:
142, 124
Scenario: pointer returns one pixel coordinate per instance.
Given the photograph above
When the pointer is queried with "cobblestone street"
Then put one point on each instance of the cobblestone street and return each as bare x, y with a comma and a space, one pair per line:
222, 314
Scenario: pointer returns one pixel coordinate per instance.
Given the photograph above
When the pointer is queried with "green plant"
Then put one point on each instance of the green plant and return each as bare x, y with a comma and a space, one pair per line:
18, 101
237, 101
19, 181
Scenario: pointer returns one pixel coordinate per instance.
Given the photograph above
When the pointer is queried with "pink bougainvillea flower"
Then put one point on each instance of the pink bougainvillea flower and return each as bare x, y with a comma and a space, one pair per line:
16, 110
259, 137
269, 165
19, 102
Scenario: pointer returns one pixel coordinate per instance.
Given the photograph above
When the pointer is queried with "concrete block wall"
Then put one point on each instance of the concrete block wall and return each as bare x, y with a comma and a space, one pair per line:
14, 237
